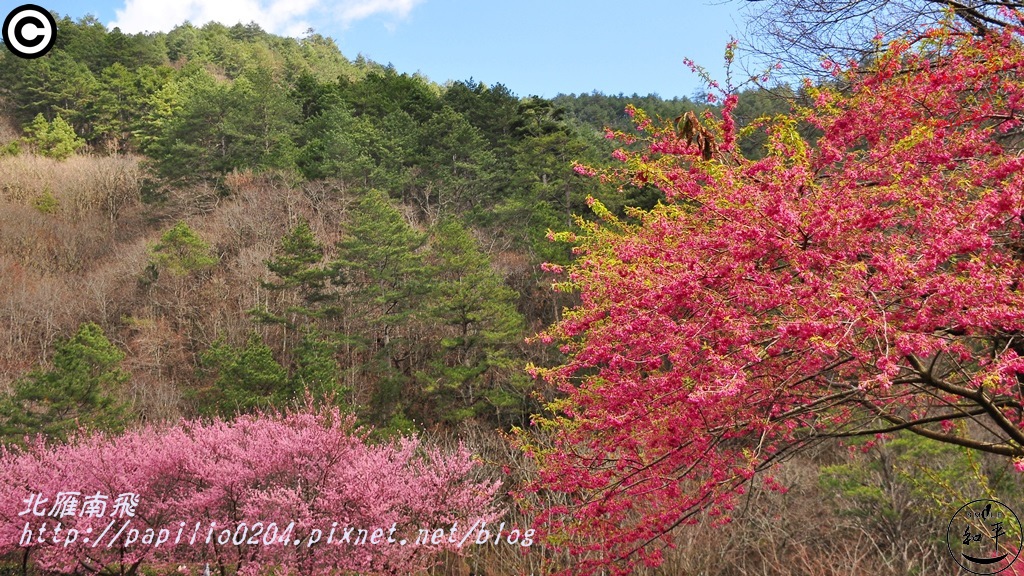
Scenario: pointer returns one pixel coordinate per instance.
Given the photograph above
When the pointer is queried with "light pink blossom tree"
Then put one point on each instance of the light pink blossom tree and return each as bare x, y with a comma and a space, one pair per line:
311, 468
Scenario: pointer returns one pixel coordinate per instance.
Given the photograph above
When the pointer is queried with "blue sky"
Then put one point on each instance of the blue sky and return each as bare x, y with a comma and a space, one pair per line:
531, 46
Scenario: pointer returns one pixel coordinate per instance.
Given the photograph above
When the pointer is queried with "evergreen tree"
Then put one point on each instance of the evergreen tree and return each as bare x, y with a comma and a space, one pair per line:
83, 388
316, 371
399, 140
379, 256
61, 85
114, 108
85, 42
457, 165
185, 42
246, 379
335, 144
259, 123
194, 142
124, 99
134, 50
221, 126
299, 268
491, 110
181, 251
479, 321
158, 107
56, 139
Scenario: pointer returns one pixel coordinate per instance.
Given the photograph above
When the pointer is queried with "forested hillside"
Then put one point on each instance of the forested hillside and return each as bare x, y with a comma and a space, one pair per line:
217, 223
250, 216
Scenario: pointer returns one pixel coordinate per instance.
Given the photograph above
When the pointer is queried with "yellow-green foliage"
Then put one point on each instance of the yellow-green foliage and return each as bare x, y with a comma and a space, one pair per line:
46, 202
55, 139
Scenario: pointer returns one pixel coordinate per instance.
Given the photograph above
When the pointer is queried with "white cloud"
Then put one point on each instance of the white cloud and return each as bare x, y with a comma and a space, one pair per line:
354, 10
289, 17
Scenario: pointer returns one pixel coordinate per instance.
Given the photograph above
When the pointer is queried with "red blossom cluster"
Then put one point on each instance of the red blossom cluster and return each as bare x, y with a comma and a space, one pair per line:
864, 276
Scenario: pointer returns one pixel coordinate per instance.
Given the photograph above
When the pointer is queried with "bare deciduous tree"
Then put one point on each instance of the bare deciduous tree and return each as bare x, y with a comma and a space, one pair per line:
800, 33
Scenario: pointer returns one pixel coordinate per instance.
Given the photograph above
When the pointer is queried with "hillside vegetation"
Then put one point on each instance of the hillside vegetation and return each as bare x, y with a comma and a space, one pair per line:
351, 230
218, 221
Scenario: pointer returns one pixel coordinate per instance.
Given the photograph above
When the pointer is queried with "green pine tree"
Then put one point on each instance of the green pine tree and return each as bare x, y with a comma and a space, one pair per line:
379, 257
56, 139
83, 388
380, 254
480, 323
259, 123
181, 251
245, 379
298, 266
336, 144
316, 371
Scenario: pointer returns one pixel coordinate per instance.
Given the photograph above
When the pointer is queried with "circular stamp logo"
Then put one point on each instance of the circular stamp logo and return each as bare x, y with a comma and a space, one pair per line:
984, 537
29, 31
